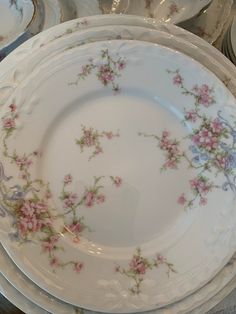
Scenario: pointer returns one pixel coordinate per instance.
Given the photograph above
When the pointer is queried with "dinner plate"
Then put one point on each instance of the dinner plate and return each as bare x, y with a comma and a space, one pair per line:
98, 245
40, 298
53, 36
16, 298
210, 23
163, 11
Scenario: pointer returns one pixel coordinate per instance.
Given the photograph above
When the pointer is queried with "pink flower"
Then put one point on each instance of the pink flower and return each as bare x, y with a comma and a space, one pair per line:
101, 198
12, 107
54, 262
49, 245
70, 200
165, 134
221, 161
191, 115
68, 179
89, 199
29, 224
98, 150
217, 126
75, 227
121, 65
182, 199
117, 268
9, 123
203, 95
203, 201
206, 139
89, 138
137, 265
23, 162
117, 181
200, 185
160, 258
106, 74
177, 79
109, 135
78, 267
30, 208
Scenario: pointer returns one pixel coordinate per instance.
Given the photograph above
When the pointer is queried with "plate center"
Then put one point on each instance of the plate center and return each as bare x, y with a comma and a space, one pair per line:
101, 155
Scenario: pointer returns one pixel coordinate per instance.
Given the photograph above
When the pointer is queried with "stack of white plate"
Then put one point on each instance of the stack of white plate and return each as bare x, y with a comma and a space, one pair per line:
117, 173
229, 42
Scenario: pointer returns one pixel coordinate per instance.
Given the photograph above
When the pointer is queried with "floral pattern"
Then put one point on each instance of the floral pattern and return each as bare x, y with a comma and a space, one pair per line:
107, 70
212, 148
91, 138
71, 202
139, 265
29, 202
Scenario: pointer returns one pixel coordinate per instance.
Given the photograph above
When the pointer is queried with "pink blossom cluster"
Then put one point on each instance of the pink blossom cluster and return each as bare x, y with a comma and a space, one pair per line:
86, 70
138, 265
9, 123
106, 74
75, 227
121, 65
205, 139
49, 244
221, 161
172, 150
117, 181
109, 135
177, 79
91, 197
23, 162
69, 199
68, 179
33, 216
209, 135
89, 137
201, 187
203, 95
78, 266
191, 115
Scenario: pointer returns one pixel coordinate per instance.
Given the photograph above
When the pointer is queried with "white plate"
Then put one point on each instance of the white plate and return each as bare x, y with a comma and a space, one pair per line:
118, 249
16, 298
39, 297
169, 11
210, 23
29, 48
15, 17
163, 11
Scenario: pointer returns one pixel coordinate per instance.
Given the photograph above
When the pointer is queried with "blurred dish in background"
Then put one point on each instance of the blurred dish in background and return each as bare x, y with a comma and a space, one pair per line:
210, 23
